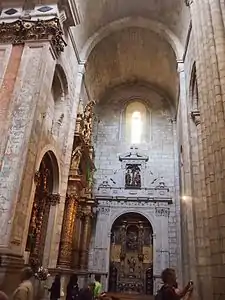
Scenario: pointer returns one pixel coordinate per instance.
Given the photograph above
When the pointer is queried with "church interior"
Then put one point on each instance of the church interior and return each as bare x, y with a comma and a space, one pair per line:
112, 149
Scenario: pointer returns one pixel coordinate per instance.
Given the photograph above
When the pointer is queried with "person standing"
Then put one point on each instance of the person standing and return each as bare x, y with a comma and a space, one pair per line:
55, 290
25, 289
72, 292
98, 286
169, 290
87, 292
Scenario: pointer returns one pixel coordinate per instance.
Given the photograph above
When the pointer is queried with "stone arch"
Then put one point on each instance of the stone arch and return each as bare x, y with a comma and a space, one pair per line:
140, 22
48, 149
46, 180
59, 91
193, 89
137, 210
59, 70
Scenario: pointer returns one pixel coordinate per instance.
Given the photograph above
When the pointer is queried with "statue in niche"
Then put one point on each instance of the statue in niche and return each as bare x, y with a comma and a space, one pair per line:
133, 177
76, 158
137, 179
87, 122
132, 263
128, 180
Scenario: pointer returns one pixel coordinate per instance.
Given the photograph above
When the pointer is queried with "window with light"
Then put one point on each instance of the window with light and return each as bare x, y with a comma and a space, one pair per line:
135, 118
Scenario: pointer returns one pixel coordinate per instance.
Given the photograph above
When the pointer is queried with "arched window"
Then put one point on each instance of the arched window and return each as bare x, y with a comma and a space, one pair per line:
59, 91
135, 121
136, 127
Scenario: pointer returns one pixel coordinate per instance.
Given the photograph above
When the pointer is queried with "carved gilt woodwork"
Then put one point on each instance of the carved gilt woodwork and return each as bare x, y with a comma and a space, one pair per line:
21, 31
65, 251
131, 257
76, 158
40, 212
54, 199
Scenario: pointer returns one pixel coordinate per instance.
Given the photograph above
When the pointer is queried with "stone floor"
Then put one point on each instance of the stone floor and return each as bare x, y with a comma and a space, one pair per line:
129, 296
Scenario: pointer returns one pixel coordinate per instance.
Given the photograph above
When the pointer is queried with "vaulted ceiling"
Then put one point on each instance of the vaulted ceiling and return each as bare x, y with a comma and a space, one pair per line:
125, 40
96, 14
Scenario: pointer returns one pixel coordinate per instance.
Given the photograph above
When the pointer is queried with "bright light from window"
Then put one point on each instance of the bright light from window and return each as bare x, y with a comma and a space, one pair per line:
136, 127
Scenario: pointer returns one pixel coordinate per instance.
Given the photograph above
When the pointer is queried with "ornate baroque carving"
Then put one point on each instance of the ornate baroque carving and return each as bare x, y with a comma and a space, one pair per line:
104, 210
54, 199
87, 122
37, 177
162, 212
76, 158
65, 252
21, 31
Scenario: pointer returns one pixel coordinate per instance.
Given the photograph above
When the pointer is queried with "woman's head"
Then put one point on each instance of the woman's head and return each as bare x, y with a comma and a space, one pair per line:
169, 276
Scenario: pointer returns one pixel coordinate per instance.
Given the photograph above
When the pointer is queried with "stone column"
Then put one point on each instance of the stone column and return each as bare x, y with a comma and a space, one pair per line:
86, 234
187, 222
66, 244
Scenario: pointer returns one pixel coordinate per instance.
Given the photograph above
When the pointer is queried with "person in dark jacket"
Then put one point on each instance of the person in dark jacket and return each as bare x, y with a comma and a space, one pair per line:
87, 293
169, 290
55, 288
72, 292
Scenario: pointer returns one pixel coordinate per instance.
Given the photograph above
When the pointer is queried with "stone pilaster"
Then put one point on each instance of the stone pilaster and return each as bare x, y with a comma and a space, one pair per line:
212, 135
65, 251
187, 205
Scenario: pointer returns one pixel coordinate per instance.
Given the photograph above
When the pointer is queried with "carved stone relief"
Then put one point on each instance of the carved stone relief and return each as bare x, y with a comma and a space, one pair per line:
162, 212
20, 31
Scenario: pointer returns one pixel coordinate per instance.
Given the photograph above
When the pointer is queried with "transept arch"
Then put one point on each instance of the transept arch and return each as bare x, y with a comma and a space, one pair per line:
140, 22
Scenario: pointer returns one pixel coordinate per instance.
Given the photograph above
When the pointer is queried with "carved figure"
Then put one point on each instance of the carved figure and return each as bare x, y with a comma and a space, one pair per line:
133, 177
128, 178
87, 122
76, 158
137, 179
132, 264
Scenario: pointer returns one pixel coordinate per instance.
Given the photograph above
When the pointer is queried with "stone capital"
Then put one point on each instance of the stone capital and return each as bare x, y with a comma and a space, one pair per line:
21, 31
195, 115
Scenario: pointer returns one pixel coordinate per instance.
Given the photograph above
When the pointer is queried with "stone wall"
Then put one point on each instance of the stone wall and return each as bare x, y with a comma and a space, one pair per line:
29, 117
162, 165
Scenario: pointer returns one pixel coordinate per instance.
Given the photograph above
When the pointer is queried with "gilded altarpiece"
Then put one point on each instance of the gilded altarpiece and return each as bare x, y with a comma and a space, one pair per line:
131, 256
79, 200
43, 200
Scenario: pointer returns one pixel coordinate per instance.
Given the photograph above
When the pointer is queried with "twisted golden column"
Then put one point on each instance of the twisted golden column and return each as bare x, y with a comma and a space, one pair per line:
65, 252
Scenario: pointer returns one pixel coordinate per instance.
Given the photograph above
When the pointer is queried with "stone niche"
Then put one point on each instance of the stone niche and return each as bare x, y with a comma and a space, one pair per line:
134, 181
